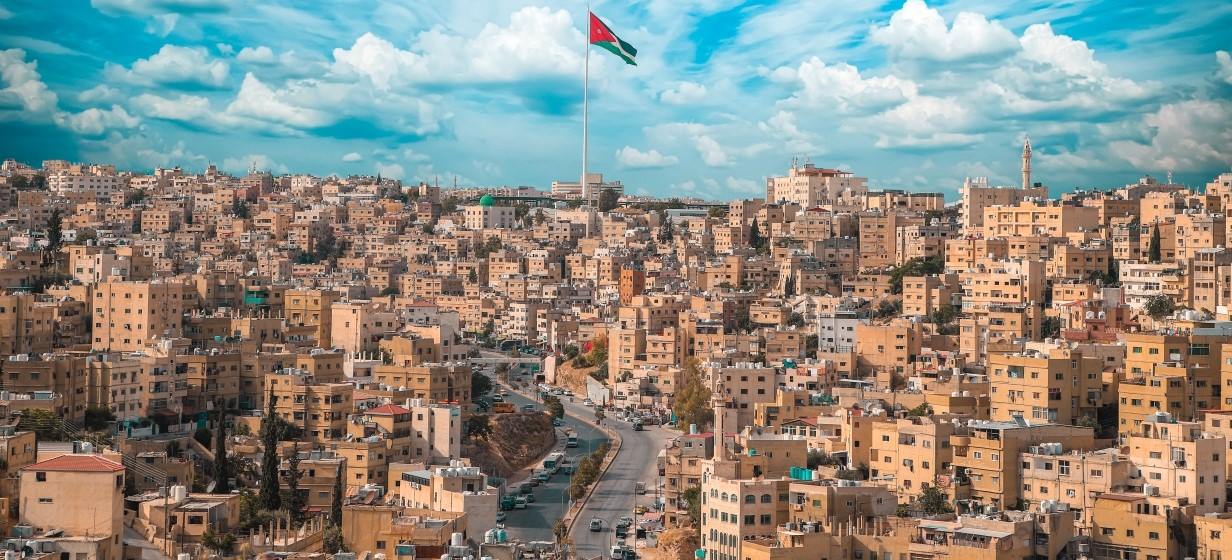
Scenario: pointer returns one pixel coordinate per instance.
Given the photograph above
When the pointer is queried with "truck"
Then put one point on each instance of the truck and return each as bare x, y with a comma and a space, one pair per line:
503, 407
571, 440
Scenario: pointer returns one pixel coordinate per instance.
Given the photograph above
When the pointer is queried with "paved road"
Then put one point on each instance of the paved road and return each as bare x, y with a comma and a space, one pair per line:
614, 495
536, 521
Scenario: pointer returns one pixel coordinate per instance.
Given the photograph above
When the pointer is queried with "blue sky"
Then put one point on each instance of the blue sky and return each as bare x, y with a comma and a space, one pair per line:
909, 94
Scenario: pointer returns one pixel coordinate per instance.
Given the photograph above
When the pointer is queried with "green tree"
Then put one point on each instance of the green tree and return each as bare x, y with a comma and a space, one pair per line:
332, 540
221, 543
693, 497
98, 418
297, 499
1153, 249
554, 406
756, 240
1050, 327
335, 508
478, 426
1159, 306
222, 464
920, 266
472, 276
933, 501
889, 308
922, 410
481, 385
608, 200
449, 205
691, 402
795, 320
944, 315
666, 232
271, 500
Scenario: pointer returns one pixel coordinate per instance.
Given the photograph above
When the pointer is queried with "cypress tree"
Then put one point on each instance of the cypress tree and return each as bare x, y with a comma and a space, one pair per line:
335, 509
271, 500
222, 465
1153, 251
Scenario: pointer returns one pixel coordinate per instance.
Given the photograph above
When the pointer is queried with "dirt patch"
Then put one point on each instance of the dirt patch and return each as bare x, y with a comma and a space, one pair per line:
573, 378
518, 440
674, 544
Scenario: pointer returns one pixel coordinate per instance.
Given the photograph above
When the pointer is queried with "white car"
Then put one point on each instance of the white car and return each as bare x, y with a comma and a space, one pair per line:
588, 402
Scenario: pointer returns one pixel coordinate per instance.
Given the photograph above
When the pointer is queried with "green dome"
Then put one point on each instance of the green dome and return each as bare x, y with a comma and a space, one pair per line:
487, 200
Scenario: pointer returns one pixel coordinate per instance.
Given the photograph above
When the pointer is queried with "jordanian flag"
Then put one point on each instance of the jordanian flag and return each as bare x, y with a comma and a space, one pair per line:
601, 35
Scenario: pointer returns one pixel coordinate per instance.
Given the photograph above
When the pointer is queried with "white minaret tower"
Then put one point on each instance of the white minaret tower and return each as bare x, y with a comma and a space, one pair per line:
1026, 164
718, 402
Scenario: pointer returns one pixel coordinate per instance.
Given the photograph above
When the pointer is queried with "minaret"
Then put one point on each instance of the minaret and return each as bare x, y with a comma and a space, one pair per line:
1026, 164
718, 402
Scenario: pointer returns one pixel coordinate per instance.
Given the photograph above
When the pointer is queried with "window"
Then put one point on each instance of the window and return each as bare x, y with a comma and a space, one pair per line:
40, 476
45, 500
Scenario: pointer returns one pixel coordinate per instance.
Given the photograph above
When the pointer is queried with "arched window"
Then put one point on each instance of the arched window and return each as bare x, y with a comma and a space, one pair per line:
765, 498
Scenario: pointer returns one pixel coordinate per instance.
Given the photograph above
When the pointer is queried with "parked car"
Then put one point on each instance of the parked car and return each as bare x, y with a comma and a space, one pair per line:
588, 402
530, 498
528, 408
501, 516
519, 502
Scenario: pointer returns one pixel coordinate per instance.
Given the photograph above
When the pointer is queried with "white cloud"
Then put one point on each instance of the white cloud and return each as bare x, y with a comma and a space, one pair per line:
684, 93
259, 55
782, 126
842, 87
5, 13
1072, 57
390, 170
711, 151
744, 185
352, 157
1188, 135
225, 49
95, 121
99, 93
23, 86
185, 108
258, 101
924, 122
241, 165
1224, 59
919, 32
632, 158
537, 43
173, 65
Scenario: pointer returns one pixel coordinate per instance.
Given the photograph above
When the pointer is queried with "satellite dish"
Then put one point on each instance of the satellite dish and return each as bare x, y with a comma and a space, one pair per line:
209, 488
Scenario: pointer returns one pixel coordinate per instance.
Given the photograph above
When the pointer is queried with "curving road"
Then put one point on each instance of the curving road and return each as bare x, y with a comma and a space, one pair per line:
614, 496
536, 521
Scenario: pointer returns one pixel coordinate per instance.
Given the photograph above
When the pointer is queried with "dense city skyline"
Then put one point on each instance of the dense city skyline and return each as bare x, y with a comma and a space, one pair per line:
910, 95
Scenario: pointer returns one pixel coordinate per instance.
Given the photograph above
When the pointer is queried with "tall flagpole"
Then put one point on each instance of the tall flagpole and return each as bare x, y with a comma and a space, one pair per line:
586, 109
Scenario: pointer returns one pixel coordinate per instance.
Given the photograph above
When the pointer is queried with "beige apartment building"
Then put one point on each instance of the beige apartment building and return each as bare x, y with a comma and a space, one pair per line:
986, 458
910, 454
978, 195
809, 186
1039, 217
127, 315
1053, 383
81, 495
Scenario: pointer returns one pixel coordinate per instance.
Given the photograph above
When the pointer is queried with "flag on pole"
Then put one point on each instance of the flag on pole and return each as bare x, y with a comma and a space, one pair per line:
601, 35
